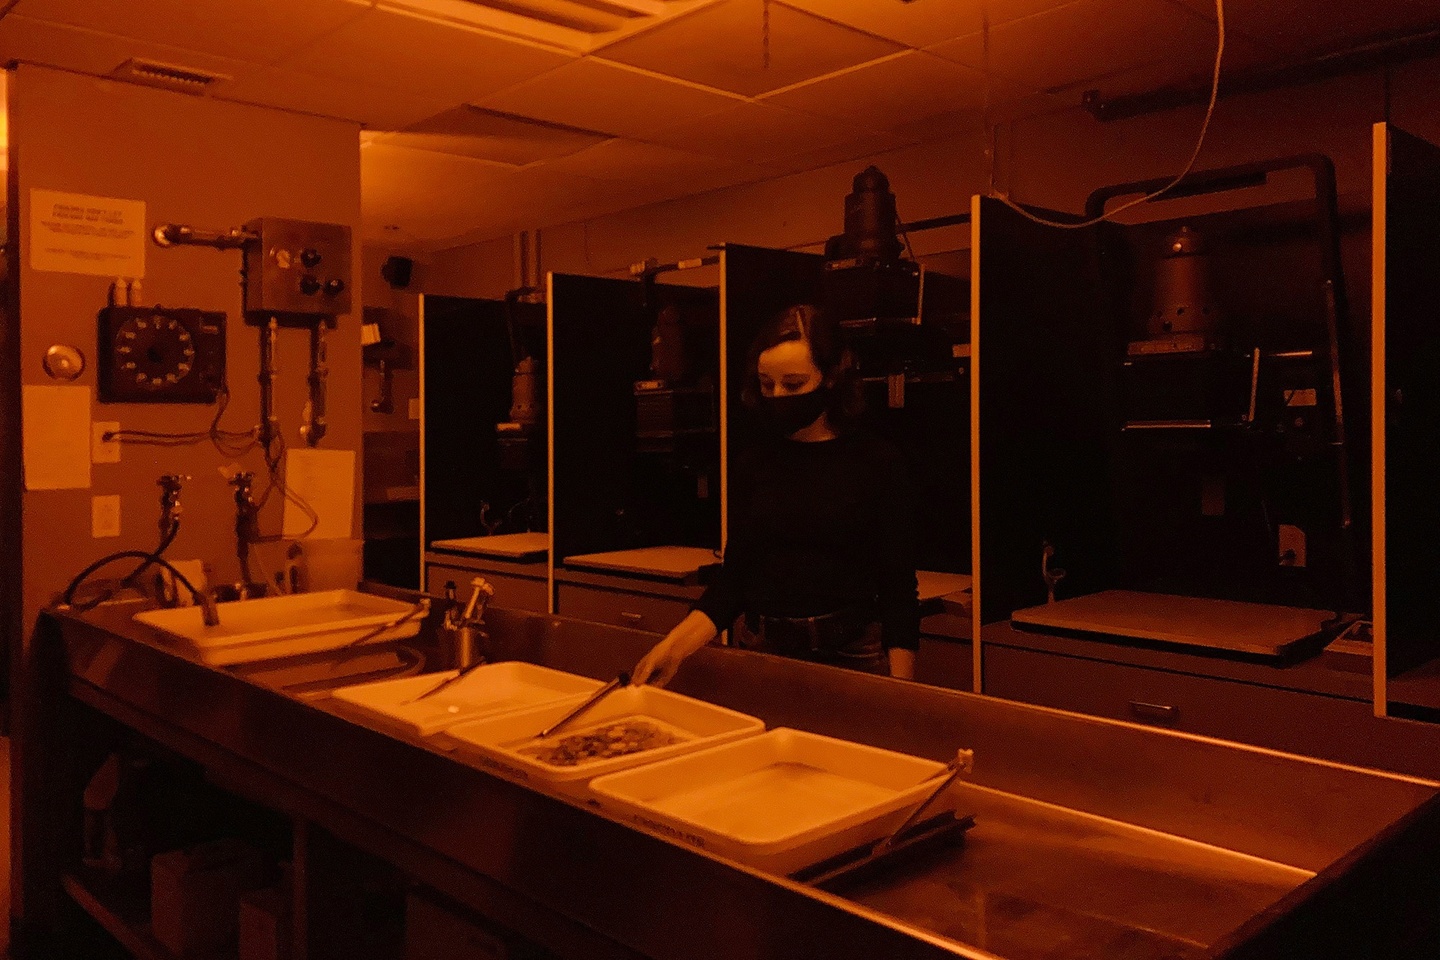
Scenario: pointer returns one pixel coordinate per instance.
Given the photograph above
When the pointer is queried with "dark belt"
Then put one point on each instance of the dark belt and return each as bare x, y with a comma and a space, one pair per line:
828, 631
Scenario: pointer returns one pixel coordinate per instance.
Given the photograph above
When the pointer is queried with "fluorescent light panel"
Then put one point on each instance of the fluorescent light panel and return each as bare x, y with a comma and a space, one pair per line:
577, 25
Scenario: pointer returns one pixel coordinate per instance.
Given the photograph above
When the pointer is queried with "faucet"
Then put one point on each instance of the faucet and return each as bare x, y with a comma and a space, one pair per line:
468, 626
247, 532
1051, 575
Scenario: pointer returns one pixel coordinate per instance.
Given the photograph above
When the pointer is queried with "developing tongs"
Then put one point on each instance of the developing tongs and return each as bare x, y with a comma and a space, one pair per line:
466, 617
964, 762
621, 681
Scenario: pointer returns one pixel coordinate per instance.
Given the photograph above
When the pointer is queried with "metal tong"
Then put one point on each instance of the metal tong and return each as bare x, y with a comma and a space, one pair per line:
621, 681
481, 587
448, 681
964, 762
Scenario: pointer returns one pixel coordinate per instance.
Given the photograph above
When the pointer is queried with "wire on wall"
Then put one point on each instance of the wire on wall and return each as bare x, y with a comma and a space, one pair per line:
1189, 166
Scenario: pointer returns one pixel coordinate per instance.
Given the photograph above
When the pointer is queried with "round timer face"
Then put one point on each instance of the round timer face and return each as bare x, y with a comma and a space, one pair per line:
154, 351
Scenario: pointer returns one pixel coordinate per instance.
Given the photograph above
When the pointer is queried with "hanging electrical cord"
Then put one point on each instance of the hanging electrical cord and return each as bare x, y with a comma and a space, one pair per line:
1189, 166
228, 442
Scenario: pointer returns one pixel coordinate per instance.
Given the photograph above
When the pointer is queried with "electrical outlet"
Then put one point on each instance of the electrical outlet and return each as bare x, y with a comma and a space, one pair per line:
1292, 546
102, 450
105, 516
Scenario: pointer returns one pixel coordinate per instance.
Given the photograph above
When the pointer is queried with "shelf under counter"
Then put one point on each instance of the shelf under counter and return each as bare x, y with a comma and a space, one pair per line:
125, 915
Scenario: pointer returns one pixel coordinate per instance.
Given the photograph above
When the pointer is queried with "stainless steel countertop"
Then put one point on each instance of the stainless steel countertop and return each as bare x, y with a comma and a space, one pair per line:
1093, 838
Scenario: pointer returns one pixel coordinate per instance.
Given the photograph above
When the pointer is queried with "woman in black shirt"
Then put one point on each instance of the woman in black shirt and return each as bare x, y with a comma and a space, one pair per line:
820, 560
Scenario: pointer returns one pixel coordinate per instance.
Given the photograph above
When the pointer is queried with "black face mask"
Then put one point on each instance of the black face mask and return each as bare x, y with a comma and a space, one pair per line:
792, 413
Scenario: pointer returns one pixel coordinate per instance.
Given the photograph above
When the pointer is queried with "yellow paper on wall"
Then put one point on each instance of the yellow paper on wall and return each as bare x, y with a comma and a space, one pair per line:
325, 481
56, 437
78, 233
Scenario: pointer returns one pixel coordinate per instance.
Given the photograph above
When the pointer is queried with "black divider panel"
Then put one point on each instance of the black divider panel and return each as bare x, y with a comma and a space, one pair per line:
469, 363
1412, 401
610, 492
1047, 357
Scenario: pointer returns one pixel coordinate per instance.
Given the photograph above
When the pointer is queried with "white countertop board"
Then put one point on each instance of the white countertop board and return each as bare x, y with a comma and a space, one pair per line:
1255, 628
512, 546
935, 585
676, 563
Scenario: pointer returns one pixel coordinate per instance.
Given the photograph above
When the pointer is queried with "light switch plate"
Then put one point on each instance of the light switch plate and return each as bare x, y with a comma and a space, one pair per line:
105, 516
414, 408
102, 450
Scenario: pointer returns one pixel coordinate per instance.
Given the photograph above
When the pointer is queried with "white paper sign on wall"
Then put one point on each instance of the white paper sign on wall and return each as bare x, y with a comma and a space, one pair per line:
77, 233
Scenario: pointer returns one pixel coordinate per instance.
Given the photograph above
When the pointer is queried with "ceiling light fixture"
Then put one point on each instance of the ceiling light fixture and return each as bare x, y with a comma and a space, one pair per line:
575, 25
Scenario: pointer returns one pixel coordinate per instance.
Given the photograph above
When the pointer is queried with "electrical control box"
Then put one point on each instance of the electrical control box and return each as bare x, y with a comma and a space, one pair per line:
160, 355
296, 271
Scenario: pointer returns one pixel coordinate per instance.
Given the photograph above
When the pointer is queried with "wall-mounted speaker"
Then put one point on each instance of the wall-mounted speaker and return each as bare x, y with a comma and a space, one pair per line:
396, 271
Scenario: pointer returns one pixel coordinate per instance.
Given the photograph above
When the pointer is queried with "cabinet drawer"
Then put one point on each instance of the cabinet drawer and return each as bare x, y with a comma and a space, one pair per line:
1311, 724
638, 611
943, 662
517, 593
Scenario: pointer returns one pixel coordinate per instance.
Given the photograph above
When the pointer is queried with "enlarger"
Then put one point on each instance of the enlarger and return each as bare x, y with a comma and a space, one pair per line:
1163, 417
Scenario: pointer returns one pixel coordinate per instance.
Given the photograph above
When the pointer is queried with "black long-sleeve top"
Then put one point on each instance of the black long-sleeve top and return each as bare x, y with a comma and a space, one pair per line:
818, 527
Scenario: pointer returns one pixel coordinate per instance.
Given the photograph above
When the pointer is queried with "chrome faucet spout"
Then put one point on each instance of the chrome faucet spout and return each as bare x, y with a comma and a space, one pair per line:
209, 610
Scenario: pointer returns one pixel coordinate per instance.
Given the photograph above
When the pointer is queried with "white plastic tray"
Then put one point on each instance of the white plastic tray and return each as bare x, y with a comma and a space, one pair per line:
495, 744
777, 802
486, 691
283, 626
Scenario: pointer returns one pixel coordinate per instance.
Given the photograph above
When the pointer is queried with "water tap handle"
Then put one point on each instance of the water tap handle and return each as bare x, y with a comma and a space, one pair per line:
479, 586
170, 508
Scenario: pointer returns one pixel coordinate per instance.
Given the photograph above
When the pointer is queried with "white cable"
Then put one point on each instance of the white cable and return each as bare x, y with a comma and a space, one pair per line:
1199, 144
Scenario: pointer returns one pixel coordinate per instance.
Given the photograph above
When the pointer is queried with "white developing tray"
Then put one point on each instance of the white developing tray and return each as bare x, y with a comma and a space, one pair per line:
285, 626
500, 744
487, 691
777, 802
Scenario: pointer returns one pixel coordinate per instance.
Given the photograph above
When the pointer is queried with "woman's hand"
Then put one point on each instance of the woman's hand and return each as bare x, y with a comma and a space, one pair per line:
659, 665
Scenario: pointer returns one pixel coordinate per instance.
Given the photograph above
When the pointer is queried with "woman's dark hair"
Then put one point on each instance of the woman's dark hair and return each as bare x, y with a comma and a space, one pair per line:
828, 349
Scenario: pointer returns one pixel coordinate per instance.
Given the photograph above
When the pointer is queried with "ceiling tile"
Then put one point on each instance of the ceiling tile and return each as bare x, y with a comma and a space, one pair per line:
1041, 51
724, 46
378, 107
898, 92
863, 149
595, 95
497, 137
260, 31
757, 132
443, 60
1297, 27
631, 162
924, 23
90, 51
434, 197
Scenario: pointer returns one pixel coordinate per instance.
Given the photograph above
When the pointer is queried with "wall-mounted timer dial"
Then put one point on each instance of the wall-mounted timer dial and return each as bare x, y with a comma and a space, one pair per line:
151, 354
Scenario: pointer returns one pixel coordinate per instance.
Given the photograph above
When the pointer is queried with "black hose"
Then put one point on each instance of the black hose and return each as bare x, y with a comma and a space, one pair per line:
130, 578
68, 596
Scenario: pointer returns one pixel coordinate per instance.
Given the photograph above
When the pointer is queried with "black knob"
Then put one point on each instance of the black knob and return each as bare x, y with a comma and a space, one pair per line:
309, 285
310, 257
335, 287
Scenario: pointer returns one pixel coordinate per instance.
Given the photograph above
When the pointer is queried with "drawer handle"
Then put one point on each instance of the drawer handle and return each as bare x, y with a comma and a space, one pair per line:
632, 617
1154, 711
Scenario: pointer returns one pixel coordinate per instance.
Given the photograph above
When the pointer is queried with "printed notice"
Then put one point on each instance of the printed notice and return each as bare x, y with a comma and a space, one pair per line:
56, 437
76, 233
324, 480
